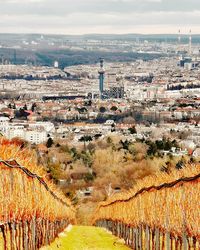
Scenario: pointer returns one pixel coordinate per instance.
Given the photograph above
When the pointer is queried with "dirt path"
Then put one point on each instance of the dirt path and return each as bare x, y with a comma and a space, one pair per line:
87, 238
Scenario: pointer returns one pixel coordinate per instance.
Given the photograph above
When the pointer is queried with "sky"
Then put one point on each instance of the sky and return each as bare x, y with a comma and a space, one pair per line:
99, 16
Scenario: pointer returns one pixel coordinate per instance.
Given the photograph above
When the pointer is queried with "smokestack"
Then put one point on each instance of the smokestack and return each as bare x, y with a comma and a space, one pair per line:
190, 43
179, 42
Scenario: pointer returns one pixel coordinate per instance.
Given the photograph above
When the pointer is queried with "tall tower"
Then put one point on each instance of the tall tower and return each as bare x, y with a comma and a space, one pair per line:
190, 43
101, 77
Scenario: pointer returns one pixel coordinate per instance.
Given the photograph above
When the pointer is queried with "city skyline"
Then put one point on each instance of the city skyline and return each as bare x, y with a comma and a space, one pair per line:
95, 16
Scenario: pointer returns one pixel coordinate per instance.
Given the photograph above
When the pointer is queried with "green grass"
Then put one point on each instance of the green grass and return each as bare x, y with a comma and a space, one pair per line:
87, 238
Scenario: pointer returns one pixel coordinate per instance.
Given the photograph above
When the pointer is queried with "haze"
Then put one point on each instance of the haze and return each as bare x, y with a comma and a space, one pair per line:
99, 16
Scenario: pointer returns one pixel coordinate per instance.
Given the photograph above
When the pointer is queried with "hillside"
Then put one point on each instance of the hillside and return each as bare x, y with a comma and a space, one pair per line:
91, 171
155, 201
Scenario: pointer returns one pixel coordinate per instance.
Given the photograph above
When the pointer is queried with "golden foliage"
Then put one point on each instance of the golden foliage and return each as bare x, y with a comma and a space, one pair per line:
174, 209
22, 197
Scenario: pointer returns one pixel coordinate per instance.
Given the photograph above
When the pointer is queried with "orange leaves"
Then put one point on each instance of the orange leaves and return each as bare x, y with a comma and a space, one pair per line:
174, 209
23, 197
15, 141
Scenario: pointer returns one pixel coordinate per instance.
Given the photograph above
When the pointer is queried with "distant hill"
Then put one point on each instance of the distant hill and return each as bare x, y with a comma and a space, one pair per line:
150, 37
46, 57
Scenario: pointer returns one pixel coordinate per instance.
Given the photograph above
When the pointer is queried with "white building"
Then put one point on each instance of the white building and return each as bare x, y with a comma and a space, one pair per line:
48, 126
34, 133
12, 131
4, 122
36, 137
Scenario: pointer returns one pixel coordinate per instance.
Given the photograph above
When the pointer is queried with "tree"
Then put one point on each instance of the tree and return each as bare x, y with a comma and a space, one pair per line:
89, 177
179, 165
102, 109
113, 127
21, 113
97, 136
88, 103
56, 171
9, 106
114, 108
49, 142
19, 142
152, 148
125, 144
25, 107
33, 107
86, 157
85, 138
109, 140
74, 154
133, 130
82, 110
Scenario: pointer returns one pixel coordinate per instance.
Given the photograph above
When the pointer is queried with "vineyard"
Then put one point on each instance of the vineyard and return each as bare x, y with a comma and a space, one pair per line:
160, 212
32, 211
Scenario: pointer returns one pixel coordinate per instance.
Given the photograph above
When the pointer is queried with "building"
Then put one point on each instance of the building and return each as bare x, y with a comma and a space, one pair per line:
34, 133
36, 136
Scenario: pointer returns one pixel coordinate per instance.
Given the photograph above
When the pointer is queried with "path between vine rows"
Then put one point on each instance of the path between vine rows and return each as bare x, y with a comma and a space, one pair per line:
86, 238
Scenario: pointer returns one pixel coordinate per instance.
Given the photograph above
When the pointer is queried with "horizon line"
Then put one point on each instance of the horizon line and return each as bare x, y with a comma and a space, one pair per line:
101, 34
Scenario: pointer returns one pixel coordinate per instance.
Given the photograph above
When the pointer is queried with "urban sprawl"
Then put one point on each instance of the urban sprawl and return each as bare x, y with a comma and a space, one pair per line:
139, 100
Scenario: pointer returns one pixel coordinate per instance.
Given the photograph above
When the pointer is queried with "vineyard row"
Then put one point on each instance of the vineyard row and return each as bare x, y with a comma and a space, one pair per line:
32, 212
160, 216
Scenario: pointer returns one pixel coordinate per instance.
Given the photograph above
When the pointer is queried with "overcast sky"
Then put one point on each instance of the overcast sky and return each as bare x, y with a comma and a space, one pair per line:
99, 16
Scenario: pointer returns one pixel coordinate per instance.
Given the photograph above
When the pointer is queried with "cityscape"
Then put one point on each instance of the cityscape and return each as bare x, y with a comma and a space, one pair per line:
38, 102
100, 125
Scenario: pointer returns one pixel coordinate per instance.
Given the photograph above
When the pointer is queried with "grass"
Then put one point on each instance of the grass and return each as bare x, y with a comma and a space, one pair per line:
87, 238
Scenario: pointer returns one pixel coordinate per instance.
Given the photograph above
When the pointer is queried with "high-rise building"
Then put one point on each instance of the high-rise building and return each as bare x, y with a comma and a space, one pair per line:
116, 92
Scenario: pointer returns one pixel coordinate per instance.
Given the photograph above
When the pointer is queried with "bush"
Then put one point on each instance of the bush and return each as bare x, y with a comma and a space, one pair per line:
49, 143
